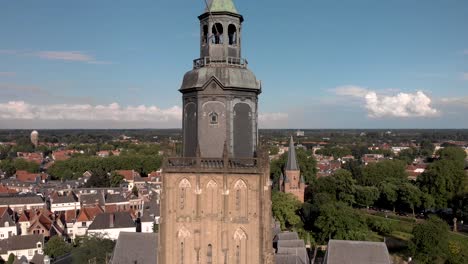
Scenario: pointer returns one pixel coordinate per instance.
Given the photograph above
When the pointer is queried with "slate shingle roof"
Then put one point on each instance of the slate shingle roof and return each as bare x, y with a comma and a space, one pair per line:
136, 248
361, 252
291, 164
120, 219
21, 199
20, 242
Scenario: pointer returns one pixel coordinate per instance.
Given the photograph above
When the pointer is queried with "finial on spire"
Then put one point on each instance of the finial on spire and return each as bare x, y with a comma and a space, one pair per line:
221, 6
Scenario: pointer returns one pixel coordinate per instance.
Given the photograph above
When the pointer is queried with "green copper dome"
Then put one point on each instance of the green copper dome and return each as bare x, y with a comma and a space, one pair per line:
222, 6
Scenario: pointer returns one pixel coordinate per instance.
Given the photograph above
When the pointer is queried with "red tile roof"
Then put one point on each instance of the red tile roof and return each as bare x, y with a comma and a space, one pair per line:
24, 176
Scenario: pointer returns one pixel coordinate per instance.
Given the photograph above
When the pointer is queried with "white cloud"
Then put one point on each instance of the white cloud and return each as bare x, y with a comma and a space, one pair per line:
455, 101
351, 90
20, 110
416, 104
272, 117
78, 56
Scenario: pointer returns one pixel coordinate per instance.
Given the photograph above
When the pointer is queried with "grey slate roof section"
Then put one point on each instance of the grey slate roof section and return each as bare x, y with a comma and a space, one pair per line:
37, 259
115, 198
362, 252
136, 248
288, 259
286, 236
121, 220
20, 242
291, 243
6, 218
68, 198
92, 199
292, 158
21, 199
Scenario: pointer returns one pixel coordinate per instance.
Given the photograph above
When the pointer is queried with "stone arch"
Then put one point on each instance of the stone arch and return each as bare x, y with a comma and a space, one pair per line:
243, 130
232, 34
204, 34
240, 198
211, 198
217, 31
183, 193
183, 233
240, 246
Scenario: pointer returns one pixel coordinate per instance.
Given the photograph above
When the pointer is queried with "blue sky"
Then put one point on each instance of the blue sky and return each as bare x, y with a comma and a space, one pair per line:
323, 64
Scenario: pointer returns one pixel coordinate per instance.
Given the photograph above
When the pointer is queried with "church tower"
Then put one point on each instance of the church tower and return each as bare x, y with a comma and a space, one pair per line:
220, 93
216, 200
292, 181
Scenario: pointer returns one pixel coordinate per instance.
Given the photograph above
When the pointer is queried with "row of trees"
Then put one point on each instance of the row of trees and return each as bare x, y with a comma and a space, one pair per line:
75, 167
84, 249
10, 166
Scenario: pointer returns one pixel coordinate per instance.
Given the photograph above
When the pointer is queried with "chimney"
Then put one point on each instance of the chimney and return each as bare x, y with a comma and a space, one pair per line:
111, 220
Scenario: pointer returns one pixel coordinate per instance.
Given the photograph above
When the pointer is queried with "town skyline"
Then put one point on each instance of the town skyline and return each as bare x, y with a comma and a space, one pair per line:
355, 65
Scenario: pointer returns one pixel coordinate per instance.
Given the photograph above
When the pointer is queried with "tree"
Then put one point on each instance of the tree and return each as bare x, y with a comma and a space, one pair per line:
116, 179
408, 155
410, 195
375, 173
443, 180
135, 190
284, 207
366, 195
389, 193
345, 186
430, 240
11, 258
99, 178
92, 247
56, 247
7, 167
339, 221
426, 148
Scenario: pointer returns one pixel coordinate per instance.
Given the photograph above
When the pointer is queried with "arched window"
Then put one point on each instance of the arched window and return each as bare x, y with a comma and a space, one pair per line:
184, 185
240, 240
211, 197
217, 32
232, 33
241, 205
213, 118
209, 254
205, 34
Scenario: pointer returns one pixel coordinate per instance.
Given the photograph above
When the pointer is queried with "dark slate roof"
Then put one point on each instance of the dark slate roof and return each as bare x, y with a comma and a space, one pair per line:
361, 252
68, 198
6, 218
121, 220
136, 248
20, 199
20, 242
152, 210
291, 164
286, 236
291, 243
92, 199
37, 259
299, 252
288, 259
115, 198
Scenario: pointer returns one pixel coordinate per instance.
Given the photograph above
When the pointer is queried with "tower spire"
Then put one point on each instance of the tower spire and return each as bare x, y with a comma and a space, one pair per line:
221, 6
292, 158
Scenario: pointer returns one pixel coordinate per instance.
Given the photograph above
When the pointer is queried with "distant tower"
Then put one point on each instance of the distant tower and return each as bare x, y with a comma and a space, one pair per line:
216, 200
35, 138
292, 181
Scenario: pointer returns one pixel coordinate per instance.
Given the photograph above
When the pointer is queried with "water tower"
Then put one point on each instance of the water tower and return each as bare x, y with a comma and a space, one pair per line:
35, 138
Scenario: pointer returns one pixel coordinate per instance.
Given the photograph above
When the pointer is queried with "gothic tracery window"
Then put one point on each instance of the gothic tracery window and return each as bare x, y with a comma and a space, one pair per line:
209, 254
184, 185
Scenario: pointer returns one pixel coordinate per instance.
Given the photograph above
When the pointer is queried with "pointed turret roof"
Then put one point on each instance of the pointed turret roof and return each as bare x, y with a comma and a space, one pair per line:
222, 6
292, 159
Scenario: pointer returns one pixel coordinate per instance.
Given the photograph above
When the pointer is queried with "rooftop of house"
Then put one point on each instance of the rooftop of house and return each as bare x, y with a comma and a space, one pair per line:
135, 248
112, 220
21, 199
361, 252
25, 176
20, 243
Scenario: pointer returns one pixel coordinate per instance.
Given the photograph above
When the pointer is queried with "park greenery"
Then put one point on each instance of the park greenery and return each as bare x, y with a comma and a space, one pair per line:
348, 205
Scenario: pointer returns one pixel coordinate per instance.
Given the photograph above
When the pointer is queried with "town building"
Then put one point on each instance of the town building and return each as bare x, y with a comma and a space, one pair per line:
362, 252
216, 200
109, 225
292, 181
22, 246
